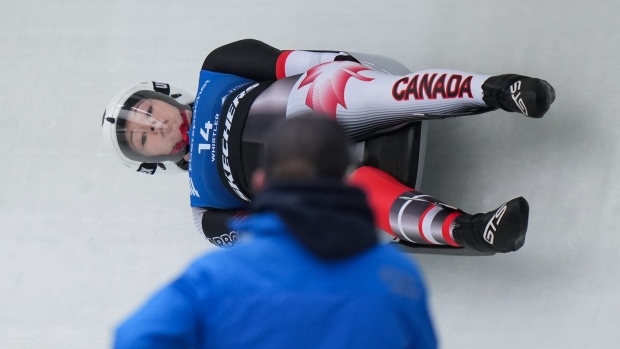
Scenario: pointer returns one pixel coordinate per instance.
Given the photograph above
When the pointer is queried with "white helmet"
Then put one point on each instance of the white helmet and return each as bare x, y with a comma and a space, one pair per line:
125, 107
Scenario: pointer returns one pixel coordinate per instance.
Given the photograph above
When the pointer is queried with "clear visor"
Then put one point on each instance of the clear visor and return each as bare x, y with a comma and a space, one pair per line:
152, 127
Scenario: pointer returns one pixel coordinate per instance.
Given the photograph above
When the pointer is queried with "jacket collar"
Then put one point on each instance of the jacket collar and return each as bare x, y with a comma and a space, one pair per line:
329, 218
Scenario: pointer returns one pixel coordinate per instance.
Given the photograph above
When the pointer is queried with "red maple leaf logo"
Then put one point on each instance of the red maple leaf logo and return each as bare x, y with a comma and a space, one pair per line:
325, 97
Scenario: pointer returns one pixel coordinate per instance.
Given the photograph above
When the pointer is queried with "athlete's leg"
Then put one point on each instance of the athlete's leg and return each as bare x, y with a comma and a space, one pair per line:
367, 102
415, 217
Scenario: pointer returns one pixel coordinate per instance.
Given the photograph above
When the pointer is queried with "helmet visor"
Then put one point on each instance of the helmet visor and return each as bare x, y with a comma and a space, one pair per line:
152, 127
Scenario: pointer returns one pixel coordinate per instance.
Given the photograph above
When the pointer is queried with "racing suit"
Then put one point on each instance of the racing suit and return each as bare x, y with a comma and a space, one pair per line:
247, 86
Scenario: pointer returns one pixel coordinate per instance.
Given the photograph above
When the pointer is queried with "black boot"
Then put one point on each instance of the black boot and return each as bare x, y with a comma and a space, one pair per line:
501, 230
517, 93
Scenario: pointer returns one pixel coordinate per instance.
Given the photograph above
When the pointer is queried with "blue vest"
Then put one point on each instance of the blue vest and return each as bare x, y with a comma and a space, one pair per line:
206, 187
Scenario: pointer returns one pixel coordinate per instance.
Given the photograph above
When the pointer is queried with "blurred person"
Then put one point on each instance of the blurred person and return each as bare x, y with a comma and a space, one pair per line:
309, 272
247, 86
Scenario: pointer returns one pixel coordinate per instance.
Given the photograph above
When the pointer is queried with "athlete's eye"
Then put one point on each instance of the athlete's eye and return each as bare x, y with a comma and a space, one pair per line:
149, 112
143, 141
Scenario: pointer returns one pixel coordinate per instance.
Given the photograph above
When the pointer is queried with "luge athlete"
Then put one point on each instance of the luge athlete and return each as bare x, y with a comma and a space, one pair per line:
247, 86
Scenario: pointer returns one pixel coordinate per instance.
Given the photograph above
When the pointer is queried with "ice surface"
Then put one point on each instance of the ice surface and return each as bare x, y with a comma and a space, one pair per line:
83, 241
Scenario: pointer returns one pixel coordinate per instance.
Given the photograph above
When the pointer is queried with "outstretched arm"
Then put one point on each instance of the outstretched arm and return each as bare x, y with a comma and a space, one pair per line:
258, 61
213, 223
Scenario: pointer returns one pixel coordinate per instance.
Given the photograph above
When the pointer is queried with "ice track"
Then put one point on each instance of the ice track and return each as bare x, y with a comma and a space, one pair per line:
83, 242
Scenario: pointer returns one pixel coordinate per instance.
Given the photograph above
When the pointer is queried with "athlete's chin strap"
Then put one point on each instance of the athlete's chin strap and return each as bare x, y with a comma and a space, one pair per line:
183, 164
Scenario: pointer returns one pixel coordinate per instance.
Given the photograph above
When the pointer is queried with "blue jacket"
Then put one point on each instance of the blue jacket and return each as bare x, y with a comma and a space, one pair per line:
277, 291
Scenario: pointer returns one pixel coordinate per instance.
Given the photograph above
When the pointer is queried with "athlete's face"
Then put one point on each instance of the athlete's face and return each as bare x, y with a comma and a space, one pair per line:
153, 128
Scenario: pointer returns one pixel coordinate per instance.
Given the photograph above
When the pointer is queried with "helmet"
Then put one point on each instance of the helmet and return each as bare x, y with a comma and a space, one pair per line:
146, 126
